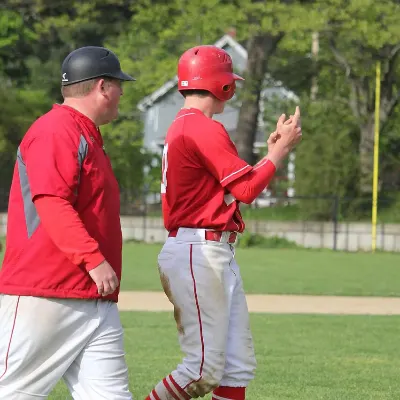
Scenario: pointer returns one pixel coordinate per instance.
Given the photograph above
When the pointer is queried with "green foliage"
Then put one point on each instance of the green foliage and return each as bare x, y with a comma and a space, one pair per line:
55, 28
159, 32
326, 160
15, 39
149, 36
337, 126
248, 239
123, 143
19, 109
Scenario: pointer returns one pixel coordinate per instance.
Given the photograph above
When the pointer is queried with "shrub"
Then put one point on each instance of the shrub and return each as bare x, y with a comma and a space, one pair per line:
248, 239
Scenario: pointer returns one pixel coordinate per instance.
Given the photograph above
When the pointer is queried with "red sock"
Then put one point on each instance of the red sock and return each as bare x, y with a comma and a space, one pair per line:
167, 388
229, 393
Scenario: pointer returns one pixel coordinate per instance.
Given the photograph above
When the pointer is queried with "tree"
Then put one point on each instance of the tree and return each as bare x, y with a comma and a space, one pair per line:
260, 47
358, 36
268, 24
159, 32
150, 49
352, 37
62, 27
19, 109
58, 28
16, 39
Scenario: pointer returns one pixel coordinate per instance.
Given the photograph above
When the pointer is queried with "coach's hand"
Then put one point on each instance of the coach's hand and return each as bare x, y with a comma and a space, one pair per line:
105, 279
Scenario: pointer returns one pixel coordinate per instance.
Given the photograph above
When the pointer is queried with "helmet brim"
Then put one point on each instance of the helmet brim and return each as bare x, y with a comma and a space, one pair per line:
237, 77
122, 76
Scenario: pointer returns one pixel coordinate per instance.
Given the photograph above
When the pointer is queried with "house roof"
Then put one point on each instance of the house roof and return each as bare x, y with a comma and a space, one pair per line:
225, 40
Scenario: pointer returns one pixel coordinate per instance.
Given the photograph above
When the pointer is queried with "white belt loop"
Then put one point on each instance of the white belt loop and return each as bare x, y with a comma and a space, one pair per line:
225, 236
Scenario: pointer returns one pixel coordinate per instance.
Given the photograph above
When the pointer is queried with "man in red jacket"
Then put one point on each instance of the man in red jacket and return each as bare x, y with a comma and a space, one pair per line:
59, 281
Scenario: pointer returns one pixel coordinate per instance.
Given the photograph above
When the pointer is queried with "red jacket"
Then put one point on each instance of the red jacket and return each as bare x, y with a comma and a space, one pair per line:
61, 155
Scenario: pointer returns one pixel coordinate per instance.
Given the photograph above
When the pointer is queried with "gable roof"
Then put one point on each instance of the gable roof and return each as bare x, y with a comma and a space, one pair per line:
149, 100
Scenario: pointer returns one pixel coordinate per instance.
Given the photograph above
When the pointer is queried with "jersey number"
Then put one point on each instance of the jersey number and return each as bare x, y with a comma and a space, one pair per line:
164, 168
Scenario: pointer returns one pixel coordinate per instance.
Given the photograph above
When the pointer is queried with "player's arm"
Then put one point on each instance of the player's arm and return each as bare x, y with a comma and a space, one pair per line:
216, 153
53, 169
249, 186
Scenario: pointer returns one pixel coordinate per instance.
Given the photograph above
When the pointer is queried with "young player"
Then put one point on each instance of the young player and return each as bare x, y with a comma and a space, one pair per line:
203, 182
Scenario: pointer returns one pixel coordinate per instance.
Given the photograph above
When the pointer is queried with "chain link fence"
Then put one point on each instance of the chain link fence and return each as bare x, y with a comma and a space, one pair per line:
328, 222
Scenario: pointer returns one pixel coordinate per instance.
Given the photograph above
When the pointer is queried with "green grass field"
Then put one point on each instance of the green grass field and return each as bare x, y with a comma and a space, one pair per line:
299, 357
280, 271
285, 271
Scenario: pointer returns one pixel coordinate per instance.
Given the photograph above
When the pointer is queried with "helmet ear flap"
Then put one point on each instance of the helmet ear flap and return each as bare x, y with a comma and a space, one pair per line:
228, 91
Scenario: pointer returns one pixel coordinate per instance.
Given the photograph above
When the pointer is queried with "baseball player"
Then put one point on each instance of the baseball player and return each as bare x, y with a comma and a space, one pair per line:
203, 183
59, 281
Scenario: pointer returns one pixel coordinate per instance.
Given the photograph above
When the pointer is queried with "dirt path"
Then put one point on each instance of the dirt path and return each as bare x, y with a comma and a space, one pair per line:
277, 304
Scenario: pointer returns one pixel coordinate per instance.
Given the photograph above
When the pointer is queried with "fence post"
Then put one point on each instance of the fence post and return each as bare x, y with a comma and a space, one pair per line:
335, 218
145, 194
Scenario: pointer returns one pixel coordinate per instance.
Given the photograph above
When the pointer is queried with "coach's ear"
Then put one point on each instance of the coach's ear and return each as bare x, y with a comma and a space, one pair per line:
101, 85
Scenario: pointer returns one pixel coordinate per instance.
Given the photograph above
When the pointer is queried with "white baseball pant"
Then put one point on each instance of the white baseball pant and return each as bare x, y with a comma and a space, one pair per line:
43, 340
203, 282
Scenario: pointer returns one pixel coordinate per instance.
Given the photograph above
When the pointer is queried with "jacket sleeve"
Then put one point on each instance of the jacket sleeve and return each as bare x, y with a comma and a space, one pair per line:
65, 228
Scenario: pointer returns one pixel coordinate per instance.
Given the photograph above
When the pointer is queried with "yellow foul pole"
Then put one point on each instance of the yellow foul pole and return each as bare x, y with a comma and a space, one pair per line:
376, 155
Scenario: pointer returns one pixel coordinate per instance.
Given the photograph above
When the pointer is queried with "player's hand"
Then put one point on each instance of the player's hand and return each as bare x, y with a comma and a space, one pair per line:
289, 130
273, 138
105, 278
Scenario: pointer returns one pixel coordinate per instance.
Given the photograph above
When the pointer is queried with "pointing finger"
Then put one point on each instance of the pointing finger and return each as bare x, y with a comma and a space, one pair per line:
281, 120
296, 115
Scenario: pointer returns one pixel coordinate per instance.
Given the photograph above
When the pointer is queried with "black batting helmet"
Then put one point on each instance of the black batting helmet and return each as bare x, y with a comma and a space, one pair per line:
91, 62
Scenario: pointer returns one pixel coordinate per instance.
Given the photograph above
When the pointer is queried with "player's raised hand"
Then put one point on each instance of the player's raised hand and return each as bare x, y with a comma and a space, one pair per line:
105, 278
291, 118
289, 130
273, 138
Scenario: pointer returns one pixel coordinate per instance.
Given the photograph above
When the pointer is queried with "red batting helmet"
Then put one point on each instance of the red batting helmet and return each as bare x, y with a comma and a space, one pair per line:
207, 68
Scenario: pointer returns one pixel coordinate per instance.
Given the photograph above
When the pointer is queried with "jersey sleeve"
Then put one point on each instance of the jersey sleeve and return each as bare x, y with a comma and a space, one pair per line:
52, 164
218, 154
247, 188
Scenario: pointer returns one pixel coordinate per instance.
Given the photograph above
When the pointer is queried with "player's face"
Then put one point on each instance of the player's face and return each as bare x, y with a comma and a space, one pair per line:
111, 94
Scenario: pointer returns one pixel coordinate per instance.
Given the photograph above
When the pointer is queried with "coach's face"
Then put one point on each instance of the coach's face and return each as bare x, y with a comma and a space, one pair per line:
111, 92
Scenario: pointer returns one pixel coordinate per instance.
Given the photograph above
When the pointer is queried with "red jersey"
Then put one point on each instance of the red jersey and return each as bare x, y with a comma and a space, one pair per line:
199, 161
61, 155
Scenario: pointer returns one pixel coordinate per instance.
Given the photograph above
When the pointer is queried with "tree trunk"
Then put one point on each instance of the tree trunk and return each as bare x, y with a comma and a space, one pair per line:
259, 49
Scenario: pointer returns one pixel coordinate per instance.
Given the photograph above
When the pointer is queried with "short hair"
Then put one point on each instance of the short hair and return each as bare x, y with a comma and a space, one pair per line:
80, 89
197, 92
